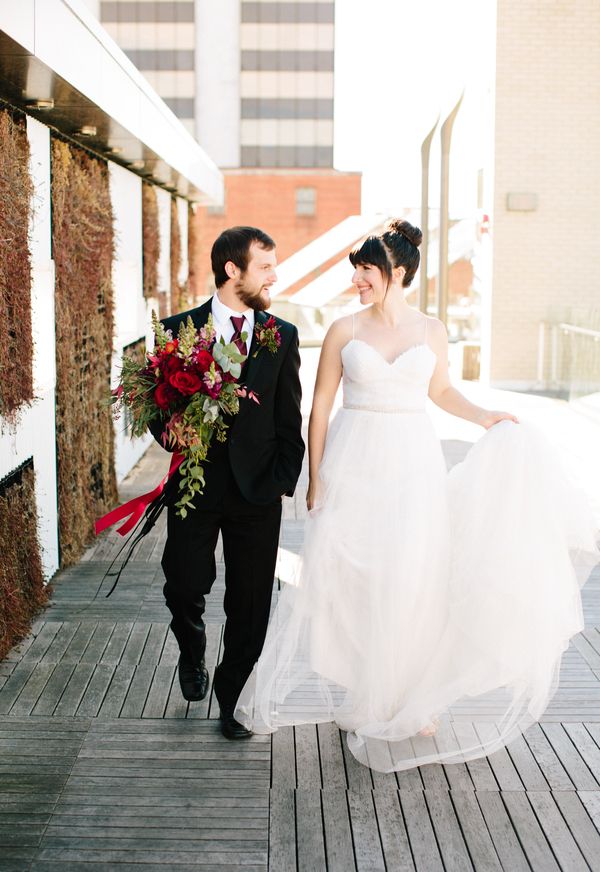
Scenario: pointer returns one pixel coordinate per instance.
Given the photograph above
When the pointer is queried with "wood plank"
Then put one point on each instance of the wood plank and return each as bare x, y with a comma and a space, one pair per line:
363, 821
333, 773
308, 770
75, 689
392, 831
357, 775
569, 756
137, 693
449, 836
283, 758
545, 756
310, 836
477, 837
32, 689
160, 689
580, 826
96, 690
282, 828
561, 841
116, 693
502, 833
526, 765
420, 831
338, 835
531, 835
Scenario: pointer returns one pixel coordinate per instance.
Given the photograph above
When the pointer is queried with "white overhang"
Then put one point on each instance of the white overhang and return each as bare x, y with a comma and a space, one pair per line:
55, 50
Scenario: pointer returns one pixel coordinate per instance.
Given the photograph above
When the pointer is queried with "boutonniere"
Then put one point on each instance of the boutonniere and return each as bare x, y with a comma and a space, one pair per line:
267, 336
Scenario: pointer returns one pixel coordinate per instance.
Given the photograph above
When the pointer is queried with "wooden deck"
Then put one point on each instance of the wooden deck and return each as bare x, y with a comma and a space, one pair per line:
105, 767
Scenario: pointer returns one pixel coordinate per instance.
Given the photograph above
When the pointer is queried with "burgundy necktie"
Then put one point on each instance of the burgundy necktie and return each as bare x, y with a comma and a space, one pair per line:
237, 340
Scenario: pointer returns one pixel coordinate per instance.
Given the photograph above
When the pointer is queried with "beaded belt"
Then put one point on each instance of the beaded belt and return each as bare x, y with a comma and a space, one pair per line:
394, 410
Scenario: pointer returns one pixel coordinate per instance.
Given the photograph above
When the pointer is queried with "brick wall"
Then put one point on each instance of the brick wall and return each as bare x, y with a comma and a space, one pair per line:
547, 142
267, 199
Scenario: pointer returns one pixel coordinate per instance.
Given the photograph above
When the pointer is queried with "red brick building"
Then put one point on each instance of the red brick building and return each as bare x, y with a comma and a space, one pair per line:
294, 206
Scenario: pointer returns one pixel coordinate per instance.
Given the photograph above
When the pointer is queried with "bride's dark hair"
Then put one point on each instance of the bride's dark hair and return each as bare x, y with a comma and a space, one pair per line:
396, 246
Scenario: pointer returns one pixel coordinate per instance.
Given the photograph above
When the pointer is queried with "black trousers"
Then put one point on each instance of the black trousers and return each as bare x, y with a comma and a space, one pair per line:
250, 541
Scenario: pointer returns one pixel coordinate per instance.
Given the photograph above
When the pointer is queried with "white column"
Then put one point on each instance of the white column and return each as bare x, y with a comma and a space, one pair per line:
129, 304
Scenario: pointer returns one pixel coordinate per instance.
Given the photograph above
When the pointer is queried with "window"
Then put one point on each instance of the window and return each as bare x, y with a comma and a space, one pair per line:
306, 201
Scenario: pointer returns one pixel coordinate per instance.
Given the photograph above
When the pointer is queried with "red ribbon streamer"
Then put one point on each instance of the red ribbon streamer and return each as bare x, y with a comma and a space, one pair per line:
135, 508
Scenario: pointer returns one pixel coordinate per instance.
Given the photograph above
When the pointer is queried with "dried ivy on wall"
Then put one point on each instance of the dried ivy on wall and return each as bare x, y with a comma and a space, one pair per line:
82, 244
150, 240
22, 590
193, 256
16, 189
179, 292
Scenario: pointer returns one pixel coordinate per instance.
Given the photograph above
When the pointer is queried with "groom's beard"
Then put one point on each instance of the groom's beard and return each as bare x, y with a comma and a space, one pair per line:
257, 299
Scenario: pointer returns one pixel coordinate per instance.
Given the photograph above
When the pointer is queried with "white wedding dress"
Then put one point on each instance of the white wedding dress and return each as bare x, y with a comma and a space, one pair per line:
423, 597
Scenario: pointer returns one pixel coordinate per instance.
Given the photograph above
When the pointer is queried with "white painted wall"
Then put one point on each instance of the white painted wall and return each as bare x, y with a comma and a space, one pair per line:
130, 306
163, 199
34, 433
218, 103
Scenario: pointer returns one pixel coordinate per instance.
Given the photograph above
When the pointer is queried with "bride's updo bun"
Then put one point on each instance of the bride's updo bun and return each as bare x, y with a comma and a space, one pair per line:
406, 229
396, 246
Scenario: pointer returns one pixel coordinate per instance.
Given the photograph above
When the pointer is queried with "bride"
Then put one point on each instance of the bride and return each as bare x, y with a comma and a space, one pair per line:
431, 609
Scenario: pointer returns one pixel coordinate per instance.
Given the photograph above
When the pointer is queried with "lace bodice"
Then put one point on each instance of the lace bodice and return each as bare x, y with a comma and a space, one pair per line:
373, 384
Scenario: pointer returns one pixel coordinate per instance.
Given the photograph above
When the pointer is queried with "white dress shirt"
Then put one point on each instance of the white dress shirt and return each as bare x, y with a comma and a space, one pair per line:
223, 323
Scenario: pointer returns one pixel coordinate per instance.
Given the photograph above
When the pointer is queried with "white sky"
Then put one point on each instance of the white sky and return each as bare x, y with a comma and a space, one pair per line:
398, 65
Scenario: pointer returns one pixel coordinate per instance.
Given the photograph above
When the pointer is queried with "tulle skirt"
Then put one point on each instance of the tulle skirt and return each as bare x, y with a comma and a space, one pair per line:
431, 609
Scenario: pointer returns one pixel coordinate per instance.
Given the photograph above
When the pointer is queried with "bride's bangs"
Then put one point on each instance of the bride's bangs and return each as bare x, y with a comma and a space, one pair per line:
371, 251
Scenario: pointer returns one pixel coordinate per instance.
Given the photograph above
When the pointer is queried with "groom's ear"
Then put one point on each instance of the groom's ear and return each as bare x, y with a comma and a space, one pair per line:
231, 269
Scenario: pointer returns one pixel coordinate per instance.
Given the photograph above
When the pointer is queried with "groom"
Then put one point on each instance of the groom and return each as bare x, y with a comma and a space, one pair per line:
246, 477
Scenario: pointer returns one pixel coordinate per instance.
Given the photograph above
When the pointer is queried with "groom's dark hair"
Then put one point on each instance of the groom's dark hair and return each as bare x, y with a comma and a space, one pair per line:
234, 244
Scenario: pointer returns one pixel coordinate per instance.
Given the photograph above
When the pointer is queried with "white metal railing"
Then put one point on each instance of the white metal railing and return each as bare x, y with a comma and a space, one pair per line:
559, 377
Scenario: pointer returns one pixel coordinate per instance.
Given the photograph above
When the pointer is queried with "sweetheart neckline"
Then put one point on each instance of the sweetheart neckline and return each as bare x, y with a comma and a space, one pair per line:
380, 355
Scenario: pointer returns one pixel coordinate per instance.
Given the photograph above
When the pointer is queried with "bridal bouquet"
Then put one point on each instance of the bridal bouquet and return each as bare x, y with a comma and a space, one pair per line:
188, 384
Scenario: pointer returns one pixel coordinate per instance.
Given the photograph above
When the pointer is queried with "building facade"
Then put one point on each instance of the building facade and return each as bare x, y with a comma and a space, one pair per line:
546, 259
255, 81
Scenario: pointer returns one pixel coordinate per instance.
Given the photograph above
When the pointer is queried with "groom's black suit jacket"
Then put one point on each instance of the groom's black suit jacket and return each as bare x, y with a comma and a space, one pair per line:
264, 446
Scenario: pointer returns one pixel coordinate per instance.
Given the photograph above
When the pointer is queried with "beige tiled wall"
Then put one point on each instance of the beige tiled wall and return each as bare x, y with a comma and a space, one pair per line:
547, 142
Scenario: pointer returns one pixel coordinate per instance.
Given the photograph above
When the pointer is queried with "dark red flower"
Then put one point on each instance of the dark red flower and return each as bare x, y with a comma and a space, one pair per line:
270, 323
186, 382
164, 395
171, 346
169, 365
203, 360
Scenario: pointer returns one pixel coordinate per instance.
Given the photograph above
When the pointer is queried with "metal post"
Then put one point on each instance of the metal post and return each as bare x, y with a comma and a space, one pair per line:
442, 289
425, 149
541, 355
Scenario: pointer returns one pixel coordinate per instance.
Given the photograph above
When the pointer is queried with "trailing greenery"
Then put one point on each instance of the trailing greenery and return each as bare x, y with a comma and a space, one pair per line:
16, 188
82, 243
22, 590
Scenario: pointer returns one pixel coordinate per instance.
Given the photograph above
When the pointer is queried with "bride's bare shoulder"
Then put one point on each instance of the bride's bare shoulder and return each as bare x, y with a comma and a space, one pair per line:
436, 329
340, 331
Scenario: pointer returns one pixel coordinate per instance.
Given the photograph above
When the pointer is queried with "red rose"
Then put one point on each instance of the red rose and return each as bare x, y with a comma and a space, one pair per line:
169, 365
171, 346
163, 395
185, 382
204, 360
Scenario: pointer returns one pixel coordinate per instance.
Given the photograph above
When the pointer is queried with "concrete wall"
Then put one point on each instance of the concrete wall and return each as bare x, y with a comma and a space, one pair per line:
547, 142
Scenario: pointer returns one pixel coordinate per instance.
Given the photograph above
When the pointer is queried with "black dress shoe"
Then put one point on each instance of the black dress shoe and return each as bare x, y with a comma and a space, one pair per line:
193, 680
231, 728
